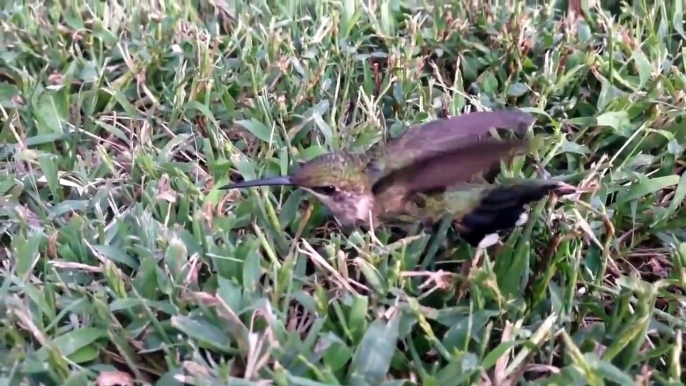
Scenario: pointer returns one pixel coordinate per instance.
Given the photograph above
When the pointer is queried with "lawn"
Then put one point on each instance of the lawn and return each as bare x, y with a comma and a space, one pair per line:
123, 262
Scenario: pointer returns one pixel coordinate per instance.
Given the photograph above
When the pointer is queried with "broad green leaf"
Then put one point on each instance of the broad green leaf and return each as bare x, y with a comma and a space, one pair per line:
608, 370
517, 89
205, 333
644, 188
373, 355
26, 252
72, 341
613, 119
258, 129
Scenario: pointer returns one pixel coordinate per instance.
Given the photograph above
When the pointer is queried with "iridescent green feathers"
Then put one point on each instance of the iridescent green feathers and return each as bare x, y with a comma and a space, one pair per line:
346, 171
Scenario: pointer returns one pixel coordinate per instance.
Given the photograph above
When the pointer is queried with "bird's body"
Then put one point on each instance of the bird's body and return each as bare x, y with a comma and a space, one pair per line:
425, 175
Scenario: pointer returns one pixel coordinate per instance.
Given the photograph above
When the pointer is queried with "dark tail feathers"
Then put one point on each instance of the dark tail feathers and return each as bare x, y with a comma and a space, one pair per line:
500, 208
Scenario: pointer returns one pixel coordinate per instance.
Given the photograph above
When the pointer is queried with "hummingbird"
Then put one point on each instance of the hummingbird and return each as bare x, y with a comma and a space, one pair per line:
424, 175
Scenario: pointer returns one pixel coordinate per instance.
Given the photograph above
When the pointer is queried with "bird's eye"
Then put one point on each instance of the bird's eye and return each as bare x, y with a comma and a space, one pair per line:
326, 190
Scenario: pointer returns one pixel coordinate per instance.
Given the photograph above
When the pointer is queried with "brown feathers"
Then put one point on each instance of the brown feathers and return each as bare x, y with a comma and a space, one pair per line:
440, 170
444, 152
446, 135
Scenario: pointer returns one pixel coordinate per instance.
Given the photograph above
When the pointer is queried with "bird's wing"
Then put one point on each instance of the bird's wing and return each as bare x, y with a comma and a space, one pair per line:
441, 170
445, 135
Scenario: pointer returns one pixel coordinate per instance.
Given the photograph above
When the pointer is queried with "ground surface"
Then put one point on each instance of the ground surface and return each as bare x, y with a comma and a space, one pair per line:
122, 260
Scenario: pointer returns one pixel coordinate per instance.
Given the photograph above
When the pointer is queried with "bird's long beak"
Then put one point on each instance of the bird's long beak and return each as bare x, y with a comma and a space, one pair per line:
274, 181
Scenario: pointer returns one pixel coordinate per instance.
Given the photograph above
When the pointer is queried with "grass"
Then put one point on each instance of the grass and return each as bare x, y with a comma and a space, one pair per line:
122, 261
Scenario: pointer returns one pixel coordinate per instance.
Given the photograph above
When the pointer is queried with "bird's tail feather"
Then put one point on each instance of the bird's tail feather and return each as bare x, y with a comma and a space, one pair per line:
501, 208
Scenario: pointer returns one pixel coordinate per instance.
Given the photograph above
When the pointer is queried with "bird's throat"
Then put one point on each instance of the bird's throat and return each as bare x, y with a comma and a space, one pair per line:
364, 208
